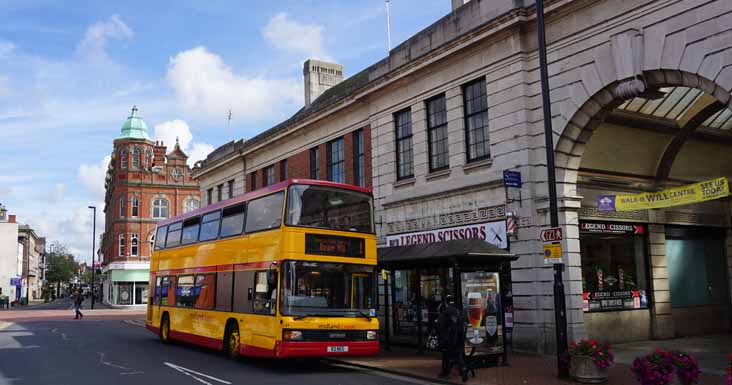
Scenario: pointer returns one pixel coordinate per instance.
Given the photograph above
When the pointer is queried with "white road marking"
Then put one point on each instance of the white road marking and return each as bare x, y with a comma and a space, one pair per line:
193, 374
101, 361
130, 373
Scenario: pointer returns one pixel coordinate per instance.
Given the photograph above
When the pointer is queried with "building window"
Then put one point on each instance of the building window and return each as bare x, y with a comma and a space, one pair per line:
230, 185
190, 204
148, 159
135, 207
336, 161
160, 208
219, 192
358, 159
283, 169
134, 244
437, 133
209, 195
122, 206
121, 241
136, 156
314, 163
476, 120
269, 176
253, 181
123, 158
404, 150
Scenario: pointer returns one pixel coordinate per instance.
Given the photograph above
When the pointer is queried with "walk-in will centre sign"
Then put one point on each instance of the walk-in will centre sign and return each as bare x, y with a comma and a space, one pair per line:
552, 238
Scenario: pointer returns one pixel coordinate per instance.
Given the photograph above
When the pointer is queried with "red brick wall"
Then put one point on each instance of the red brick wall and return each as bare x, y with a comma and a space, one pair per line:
298, 166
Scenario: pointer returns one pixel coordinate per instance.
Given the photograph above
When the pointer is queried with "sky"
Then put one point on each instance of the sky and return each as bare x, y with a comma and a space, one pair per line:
71, 72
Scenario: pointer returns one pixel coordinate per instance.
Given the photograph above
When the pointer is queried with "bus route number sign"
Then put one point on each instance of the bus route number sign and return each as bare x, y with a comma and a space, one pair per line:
332, 245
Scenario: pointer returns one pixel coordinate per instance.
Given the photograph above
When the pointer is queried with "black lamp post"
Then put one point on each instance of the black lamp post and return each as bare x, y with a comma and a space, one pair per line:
94, 247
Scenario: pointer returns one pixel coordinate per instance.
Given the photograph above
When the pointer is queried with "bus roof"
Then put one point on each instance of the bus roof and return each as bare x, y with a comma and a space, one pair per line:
257, 193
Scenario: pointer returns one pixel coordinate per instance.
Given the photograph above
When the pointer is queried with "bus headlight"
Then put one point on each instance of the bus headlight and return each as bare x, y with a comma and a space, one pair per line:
371, 335
292, 335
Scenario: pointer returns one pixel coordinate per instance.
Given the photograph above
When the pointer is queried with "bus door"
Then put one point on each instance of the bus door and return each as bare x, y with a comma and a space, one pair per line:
264, 303
360, 286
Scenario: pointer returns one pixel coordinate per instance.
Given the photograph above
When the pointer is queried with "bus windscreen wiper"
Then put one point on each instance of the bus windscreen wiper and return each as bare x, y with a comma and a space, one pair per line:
363, 314
301, 316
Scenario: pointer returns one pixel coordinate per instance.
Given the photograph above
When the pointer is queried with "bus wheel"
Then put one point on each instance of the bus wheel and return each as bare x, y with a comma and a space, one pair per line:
165, 329
231, 341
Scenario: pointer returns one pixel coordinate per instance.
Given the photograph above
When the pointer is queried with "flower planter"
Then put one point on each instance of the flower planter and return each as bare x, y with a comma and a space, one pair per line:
583, 370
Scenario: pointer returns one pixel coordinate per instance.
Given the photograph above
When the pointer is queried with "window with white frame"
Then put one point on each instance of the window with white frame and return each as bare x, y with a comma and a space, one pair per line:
190, 205
134, 244
148, 158
135, 206
123, 158
160, 208
121, 242
136, 156
122, 206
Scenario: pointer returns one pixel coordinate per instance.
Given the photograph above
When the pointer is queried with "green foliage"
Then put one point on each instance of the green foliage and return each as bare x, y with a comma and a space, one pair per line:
61, 264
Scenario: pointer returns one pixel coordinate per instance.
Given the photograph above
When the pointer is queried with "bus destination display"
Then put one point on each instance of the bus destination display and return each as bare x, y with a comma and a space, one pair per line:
334, 245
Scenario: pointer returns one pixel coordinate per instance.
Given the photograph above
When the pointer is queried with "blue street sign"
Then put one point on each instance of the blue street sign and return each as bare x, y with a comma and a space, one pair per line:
511, 178
14, 281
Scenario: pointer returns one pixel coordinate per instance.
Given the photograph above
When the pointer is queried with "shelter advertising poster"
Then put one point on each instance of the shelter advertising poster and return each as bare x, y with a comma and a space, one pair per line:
481, 301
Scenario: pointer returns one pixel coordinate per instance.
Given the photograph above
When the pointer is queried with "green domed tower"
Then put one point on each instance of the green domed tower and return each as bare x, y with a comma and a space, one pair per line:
134, 127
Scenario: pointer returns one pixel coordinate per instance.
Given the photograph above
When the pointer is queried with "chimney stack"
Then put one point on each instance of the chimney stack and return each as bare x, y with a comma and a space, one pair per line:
11, 218
159, 154
319, 77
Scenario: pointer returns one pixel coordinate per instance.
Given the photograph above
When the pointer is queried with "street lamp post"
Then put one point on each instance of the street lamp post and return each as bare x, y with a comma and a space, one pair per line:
560, 307
94, 247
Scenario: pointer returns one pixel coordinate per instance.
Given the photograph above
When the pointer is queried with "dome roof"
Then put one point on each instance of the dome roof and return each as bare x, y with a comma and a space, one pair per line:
134, 127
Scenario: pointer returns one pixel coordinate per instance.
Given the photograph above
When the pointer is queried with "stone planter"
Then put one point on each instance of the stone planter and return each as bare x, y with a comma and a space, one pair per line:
583, 369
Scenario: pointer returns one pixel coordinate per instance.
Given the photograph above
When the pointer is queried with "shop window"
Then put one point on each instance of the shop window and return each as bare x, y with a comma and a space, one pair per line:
185, 295
174, 232
404, 150
160, 237
140, 293
205, 291
696, 271
190, 230
210, 226
265, 213
124, 293
232, 222
613, 266
264, 301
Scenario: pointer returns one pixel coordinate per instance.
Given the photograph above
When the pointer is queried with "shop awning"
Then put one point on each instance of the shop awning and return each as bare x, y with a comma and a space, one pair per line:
471, 251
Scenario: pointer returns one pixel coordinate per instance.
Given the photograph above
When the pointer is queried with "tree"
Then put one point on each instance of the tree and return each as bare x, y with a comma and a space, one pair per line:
61, 265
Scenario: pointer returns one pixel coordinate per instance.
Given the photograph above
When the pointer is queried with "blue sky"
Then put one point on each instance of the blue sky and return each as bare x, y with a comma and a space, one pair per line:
70, 72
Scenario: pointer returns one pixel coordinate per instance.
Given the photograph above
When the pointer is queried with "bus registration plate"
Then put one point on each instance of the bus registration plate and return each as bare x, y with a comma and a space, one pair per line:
337, 349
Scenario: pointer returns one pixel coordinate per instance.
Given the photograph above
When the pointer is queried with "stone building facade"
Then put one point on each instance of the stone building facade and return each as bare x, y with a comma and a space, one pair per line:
640, 94
144, 184
34, 250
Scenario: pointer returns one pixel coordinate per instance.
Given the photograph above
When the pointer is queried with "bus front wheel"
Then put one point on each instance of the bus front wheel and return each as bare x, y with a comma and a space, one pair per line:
165, 329
231, 341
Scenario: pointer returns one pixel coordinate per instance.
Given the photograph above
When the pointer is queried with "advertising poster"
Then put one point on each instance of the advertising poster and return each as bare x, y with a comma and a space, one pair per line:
481, 301
684, 195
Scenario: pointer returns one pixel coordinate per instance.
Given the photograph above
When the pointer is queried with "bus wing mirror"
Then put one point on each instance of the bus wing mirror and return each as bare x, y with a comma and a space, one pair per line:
249, 294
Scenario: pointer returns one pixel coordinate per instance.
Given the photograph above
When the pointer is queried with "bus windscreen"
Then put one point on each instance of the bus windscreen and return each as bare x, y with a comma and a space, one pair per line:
329, 208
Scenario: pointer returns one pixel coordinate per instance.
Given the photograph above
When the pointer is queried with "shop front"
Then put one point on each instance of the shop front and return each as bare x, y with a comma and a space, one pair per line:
126, 286
472, 270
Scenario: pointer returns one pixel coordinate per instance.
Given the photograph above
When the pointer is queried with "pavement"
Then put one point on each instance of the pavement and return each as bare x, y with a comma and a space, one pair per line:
49, 347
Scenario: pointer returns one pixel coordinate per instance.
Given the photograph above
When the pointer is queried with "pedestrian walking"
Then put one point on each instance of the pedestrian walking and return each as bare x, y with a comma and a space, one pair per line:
451, 334
78, 300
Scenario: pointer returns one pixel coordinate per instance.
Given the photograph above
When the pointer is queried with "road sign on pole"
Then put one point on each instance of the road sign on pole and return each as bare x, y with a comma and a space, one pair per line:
552, 253
552, 234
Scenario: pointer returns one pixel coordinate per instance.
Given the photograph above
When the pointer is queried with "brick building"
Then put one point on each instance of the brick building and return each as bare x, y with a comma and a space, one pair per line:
640, 94
144, 184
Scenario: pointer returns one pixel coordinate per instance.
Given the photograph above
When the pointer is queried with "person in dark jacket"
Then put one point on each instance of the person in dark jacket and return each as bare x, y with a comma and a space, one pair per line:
451, 334
78, 300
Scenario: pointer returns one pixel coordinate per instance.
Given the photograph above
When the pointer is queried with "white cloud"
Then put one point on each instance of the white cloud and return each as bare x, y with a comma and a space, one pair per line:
203, 84
6, 48
57, 193
291, 36
4, 85
91, 177
98, 34
170, 130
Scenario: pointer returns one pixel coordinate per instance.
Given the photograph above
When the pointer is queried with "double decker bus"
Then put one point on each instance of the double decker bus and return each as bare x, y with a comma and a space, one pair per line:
284, 271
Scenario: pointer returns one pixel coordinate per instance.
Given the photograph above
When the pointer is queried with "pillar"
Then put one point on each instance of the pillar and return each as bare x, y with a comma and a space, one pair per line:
662, 323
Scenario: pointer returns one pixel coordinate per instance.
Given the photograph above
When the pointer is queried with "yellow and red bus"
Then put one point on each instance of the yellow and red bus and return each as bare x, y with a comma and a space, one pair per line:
284, 271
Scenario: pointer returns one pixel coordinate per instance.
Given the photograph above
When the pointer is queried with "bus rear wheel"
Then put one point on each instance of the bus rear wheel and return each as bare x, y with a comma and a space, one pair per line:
232, 341
165, 329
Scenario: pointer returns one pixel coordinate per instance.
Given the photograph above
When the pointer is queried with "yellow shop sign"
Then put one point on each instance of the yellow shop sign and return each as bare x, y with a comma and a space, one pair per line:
684, 195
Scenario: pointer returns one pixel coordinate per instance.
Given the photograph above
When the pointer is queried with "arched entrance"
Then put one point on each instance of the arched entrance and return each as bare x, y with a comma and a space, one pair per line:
648, 273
